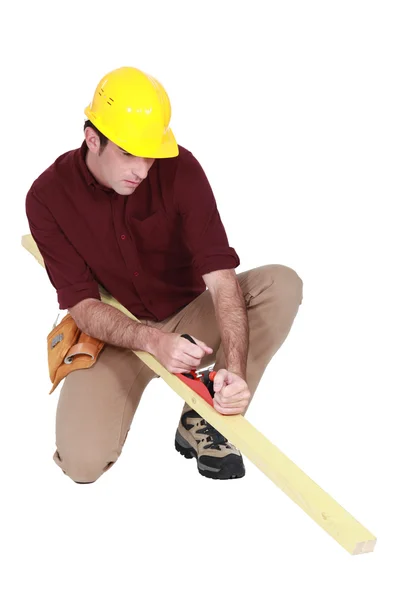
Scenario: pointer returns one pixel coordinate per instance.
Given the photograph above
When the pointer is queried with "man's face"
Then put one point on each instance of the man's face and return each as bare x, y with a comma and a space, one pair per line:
115, 168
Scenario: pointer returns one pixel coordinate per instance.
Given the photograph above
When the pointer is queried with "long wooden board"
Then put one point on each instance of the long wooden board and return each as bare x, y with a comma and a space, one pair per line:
323, 509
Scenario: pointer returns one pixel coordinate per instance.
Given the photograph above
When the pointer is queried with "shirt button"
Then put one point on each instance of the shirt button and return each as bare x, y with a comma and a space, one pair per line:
136, 273
123, 237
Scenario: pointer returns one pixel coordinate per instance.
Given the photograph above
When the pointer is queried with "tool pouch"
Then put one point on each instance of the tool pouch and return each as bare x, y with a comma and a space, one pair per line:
68, 349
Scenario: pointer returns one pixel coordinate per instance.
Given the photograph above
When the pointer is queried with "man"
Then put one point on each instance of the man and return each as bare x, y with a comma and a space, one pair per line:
133, 212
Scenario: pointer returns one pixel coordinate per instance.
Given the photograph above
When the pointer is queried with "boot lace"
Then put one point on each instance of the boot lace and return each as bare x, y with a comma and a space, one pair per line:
215, 439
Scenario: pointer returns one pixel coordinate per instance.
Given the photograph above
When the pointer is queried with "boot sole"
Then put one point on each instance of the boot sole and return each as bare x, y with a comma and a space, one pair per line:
225, 473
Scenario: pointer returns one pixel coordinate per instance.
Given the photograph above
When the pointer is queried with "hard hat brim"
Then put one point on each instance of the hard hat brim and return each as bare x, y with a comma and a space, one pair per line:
167, 149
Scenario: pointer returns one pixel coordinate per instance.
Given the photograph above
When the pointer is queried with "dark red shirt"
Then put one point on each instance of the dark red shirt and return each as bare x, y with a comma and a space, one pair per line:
149, 249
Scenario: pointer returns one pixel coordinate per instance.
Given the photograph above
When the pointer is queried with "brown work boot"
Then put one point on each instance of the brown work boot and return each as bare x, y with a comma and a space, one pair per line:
216, 457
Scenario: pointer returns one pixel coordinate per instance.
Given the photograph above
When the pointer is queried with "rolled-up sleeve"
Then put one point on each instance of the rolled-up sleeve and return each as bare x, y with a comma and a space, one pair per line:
66, 269
203, 231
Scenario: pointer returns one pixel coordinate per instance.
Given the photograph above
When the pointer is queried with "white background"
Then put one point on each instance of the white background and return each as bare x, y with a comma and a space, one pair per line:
293, 110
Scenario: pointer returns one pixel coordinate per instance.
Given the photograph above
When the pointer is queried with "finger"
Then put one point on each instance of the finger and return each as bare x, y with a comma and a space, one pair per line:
240, 402
234, 389
234, 392
220, 379
181, 367
191, 350
228, 411
203, 345
191, 360
198, 349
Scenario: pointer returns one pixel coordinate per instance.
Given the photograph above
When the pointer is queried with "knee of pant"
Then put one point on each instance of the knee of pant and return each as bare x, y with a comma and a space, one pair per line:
289, 281
83, 468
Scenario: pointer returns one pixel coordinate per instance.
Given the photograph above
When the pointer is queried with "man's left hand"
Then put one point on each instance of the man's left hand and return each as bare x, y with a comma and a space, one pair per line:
231, 393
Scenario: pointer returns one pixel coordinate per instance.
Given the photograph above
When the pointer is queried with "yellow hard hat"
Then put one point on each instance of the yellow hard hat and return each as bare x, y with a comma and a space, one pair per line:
132, 109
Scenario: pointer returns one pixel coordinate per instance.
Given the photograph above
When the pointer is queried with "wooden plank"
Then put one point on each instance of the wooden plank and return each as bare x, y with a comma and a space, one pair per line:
314, 501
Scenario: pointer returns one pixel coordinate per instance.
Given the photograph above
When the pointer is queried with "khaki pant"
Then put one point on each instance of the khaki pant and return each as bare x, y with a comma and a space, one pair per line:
97, 405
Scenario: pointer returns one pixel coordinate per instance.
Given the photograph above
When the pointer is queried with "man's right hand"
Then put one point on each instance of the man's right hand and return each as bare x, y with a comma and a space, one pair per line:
177, 354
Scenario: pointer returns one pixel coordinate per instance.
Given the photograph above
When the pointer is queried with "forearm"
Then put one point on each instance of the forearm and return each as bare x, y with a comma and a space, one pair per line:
110, 325
233, 324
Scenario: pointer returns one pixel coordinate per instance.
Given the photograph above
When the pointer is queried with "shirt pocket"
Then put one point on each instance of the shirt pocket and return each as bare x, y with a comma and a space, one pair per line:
152, 234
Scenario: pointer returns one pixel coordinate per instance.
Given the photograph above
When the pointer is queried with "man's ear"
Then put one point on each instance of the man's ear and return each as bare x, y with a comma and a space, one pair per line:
92, 140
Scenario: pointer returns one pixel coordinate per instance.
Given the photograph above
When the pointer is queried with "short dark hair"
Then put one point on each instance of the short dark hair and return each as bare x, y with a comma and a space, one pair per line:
103, 138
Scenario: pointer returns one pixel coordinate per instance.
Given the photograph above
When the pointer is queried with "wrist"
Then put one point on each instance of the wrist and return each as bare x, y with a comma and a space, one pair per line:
151, 339
237, 371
